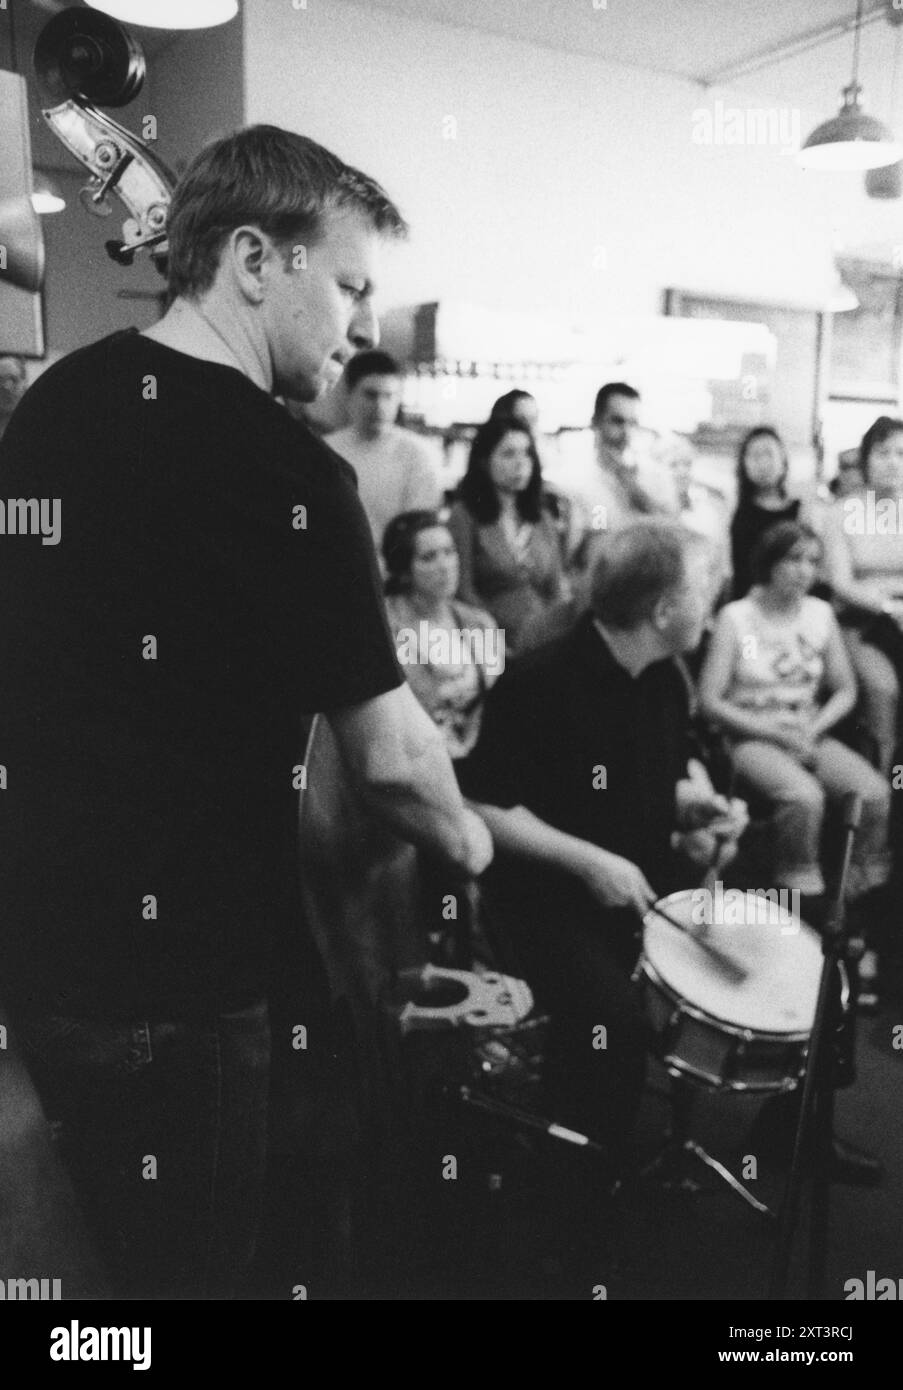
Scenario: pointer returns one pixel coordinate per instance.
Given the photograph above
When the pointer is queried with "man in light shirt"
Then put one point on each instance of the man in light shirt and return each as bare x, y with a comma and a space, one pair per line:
395, 471
614, 493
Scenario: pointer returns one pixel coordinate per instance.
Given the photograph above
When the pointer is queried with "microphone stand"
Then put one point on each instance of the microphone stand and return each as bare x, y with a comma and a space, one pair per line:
815, 1128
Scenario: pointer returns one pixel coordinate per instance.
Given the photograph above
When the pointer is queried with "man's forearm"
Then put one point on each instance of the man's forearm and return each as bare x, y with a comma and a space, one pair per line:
519, 832
400, 765
424, 805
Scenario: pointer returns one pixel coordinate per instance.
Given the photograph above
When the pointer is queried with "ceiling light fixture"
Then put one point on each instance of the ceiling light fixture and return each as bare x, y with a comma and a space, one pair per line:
887, 182
170, 14
851, 139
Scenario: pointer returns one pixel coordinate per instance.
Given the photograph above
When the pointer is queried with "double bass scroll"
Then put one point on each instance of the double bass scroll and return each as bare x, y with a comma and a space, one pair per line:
82, 57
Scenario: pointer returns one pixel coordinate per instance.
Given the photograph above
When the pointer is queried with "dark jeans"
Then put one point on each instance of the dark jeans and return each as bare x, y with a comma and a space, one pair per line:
162, 1126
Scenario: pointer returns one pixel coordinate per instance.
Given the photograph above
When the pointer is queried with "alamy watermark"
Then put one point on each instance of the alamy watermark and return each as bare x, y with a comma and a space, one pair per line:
873, 516
873, 1287
31, 1290
718, 124
746, 907
31, 516
459, 646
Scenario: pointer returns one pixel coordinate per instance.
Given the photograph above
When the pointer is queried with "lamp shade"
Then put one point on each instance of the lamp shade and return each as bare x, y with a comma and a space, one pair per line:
841, 298
46, 196
170, 14
850, 140
886, 182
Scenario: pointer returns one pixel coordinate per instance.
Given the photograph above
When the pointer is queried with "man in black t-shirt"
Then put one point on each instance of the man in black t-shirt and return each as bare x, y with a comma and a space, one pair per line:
583, 773
214, 579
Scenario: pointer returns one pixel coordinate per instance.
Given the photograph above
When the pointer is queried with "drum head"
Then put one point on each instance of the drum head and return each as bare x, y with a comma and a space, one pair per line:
780, 958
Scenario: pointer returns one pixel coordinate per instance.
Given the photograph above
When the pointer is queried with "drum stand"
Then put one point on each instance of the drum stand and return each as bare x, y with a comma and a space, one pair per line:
815, 1129
670, 1161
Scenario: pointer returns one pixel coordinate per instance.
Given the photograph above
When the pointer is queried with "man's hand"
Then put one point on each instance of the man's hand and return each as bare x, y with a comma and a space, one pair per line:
479, 848
714, 845
615, 881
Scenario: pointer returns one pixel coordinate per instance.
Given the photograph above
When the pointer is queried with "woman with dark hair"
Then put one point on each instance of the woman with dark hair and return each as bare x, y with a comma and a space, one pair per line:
451, 652
507, 543
864, 566
777, 679
762, 498
517, 405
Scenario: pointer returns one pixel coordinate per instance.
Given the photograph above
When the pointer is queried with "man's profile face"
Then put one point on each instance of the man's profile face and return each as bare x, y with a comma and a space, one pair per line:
318, 315
617, 425
373, 404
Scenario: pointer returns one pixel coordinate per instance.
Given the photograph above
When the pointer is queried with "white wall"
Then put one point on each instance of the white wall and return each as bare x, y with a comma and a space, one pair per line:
573, 187
197, 90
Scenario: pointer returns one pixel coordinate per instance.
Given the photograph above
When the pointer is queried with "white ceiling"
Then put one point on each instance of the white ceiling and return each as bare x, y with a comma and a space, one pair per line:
690, 39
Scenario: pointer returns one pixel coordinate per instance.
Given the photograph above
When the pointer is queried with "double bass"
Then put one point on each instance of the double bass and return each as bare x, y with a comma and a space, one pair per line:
83, 57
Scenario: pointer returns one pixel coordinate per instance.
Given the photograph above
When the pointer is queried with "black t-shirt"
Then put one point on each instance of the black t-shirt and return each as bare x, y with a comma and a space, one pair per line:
750, 522
214, 581
568, 733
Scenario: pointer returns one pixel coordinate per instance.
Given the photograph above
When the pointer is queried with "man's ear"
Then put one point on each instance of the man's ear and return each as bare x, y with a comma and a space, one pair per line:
251, 253
661, 614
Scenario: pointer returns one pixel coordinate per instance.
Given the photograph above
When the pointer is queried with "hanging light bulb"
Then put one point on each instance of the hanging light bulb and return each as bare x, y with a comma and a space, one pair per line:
170, 14
46, 197
851, 139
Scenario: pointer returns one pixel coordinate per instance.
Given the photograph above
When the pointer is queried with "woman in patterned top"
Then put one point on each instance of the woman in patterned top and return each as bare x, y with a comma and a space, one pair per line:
777, 679
451, 653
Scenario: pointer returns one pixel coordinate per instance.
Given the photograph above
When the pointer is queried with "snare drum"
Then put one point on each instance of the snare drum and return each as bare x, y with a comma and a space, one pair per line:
736, 1017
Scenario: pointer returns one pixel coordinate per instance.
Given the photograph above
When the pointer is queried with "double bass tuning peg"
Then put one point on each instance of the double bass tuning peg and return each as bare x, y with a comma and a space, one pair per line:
113, 162
93, 199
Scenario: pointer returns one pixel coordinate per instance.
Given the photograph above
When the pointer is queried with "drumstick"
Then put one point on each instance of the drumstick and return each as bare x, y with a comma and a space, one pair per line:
724, 963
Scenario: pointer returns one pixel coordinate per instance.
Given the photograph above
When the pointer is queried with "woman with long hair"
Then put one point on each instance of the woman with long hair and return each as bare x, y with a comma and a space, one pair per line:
762, 499
507, 542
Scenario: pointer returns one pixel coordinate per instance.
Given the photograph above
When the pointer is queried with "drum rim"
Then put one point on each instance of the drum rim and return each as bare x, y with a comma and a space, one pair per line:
701, 1015
676, 1068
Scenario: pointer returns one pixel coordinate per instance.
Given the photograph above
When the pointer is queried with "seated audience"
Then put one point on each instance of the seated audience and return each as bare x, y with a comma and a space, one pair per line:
864, 566
507, 542
395, 470
451, 653
777, 679
762, 499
